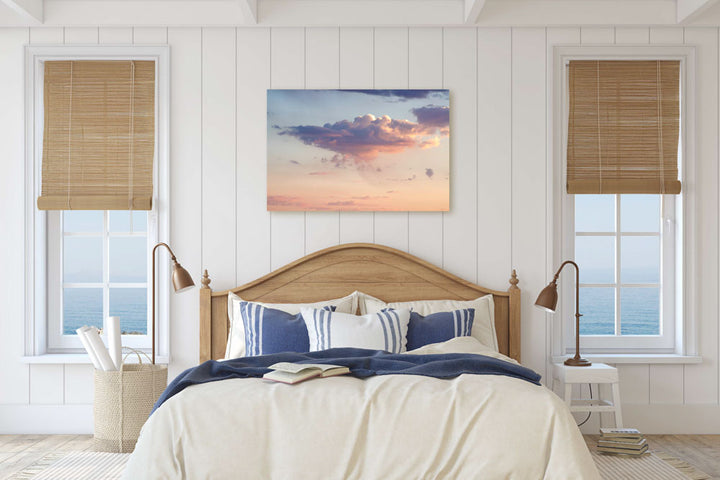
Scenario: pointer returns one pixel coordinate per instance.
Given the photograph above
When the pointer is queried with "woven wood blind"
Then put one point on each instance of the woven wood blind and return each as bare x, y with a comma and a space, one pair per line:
624, 126
99, 135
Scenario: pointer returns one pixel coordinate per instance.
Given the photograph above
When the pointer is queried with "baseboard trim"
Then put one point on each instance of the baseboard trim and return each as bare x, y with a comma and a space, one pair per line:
673, 419
46, 419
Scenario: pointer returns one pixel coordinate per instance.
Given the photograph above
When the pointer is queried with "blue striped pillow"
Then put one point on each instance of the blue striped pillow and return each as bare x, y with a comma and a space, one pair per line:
439, 327
273, 331
377, 331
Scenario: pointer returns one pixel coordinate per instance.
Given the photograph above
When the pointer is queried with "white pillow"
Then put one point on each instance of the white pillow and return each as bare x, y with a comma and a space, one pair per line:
483, 326
236, 337
377, 331
460, 345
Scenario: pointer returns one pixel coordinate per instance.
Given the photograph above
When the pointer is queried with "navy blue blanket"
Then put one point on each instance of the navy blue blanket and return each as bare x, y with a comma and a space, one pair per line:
362, 363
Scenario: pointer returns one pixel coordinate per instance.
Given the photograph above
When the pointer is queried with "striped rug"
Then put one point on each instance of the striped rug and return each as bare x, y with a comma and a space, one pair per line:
75, 466
651, 466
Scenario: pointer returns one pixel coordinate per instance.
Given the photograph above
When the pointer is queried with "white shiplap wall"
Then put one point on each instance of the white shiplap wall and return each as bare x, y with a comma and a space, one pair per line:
500, 203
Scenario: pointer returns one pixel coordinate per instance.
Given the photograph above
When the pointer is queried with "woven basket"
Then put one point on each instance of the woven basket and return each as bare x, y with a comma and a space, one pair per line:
123, 402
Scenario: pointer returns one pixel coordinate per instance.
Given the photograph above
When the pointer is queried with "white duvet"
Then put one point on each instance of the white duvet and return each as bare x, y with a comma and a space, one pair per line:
383, 427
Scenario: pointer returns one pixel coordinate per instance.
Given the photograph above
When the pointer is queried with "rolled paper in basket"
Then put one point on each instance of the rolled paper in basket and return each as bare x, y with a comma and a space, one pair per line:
113, 338
88, 348
91, 333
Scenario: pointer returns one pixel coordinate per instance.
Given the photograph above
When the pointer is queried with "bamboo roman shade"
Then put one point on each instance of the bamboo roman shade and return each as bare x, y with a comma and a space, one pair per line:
99, 135
624, 126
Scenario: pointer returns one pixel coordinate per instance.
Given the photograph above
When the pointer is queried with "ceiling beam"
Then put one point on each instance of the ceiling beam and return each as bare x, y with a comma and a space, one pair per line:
249, 10
472, 10
31, 10
689, 10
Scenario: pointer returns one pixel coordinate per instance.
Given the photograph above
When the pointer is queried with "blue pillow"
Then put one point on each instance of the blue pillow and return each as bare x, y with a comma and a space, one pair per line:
273, 331
439, 327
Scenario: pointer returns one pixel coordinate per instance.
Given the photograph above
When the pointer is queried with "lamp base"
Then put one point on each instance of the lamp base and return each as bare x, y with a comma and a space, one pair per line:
577, 362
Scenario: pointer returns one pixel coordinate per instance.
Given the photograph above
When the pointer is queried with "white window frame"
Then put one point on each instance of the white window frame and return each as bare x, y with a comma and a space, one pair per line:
38, 281
679, 328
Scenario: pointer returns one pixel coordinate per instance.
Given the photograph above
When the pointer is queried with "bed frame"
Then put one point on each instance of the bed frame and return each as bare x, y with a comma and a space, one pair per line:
383, 272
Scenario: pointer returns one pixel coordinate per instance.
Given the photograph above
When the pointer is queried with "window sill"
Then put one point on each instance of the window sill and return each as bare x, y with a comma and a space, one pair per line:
78, 359
643, 358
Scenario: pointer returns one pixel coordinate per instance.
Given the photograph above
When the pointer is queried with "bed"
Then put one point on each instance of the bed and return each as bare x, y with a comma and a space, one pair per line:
384, 426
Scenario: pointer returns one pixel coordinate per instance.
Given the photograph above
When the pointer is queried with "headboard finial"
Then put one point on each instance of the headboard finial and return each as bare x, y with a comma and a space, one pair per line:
514, 279
205, 279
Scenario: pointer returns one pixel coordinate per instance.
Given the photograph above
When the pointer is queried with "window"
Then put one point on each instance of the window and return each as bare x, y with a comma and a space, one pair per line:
629, 243
98, 268
85, 265
625, 245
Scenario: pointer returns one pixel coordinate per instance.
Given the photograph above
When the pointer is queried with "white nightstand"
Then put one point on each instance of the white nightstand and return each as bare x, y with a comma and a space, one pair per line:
597, 373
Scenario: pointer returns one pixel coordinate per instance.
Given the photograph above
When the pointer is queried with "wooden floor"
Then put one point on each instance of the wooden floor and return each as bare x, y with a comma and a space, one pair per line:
19, 451
700, 451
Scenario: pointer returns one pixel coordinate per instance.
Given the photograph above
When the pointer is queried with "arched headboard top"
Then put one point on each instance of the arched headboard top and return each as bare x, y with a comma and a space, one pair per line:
380, 271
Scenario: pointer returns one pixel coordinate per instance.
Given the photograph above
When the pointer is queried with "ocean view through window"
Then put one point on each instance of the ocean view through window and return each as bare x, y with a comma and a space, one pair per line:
618, 245
104, 269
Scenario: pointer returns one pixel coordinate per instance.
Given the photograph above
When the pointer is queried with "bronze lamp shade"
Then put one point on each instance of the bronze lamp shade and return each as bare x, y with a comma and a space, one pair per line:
181, 281
547, 300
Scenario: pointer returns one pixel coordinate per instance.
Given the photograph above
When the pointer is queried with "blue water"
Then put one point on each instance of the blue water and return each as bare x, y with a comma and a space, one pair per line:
84, 306
640, 311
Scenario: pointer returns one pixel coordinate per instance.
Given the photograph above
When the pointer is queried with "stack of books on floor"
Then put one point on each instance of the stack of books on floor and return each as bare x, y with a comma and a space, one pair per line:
625, 441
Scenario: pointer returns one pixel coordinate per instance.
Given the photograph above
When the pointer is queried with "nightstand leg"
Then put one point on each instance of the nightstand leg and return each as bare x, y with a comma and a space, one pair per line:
616, 403
568, 394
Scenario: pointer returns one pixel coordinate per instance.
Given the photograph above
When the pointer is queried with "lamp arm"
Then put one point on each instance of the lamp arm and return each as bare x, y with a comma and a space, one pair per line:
577, 284
172, 255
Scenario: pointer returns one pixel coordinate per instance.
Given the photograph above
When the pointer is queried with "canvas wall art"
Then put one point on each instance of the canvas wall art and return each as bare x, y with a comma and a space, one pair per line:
358, 150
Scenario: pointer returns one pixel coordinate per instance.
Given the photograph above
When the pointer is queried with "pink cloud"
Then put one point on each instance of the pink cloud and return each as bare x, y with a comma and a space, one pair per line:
366, 137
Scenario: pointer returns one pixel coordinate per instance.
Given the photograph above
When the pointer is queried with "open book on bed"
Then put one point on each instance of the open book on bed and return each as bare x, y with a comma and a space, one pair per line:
292, 373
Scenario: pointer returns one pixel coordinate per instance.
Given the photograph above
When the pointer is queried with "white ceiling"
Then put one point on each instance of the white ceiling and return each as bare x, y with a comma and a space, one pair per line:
359, 12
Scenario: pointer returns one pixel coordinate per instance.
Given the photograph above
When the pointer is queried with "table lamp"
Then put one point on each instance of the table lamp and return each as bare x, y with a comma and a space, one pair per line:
181, 281
547, 300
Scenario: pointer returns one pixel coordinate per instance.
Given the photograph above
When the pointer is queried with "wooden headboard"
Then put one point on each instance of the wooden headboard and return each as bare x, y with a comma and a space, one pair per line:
383, 272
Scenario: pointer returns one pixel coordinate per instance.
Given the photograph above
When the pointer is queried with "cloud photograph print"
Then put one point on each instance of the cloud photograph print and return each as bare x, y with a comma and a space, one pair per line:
358, 150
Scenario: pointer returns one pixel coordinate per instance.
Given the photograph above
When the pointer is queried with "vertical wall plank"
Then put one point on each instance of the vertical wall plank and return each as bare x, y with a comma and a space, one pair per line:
218, 155
287, 71
79, 384
460, 223
634, 383
555, 255
150, 35
662, 35
529, 185
116, 35
186, 187
632, 35
425, 64
82, 35
322, 66
45, 35
356, 71
701, 381
597, 35
391, 71
494, 144
253, 227
46, 384
666, 384
14, 375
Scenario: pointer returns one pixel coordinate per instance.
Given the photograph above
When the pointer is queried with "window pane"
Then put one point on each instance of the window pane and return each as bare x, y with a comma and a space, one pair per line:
139, 220
82, 259
640, 260
130, 304
120, 221
596, 258
87, 221
128, 259
82, 306
640, 213
597, 306
594, 213
640, 311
